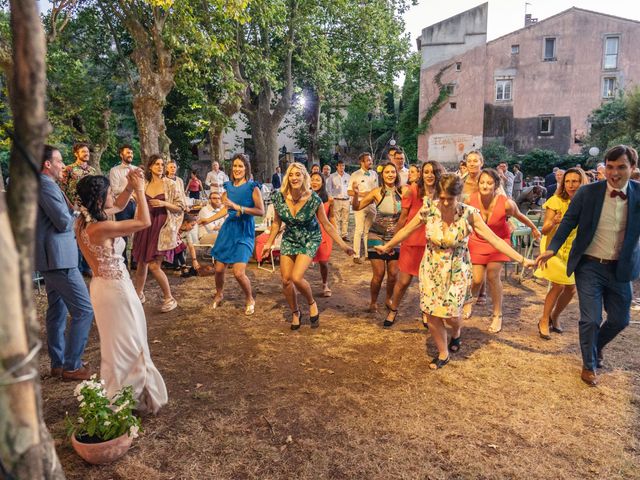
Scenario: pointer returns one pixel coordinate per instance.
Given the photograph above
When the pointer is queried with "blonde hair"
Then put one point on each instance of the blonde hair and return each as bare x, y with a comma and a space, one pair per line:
306, 179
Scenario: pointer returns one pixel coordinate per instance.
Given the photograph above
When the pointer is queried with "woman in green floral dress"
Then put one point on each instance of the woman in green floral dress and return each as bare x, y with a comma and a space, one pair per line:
445, 270
300, 209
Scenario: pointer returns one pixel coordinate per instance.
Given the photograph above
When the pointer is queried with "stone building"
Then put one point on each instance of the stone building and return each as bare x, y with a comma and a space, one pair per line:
532, 88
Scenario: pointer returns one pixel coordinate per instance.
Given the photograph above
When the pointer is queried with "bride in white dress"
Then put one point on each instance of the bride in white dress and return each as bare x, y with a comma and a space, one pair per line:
124, 349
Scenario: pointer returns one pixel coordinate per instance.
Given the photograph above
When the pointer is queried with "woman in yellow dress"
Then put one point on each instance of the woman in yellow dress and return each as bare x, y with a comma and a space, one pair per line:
562, 288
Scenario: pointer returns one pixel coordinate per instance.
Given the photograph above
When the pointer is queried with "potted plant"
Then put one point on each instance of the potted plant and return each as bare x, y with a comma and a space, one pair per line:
104, 428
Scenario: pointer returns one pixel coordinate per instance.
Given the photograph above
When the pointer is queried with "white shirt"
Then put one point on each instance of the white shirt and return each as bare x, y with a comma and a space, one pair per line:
338, 185
214, 181
404, 176
367, 180
206, 212
609, 234
118, 178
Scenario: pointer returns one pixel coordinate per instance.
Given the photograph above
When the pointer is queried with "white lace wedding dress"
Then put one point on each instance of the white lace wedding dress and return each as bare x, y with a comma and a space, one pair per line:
124, 349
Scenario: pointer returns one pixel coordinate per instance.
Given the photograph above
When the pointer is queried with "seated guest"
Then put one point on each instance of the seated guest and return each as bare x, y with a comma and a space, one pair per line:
185, 243
530, 198
208, 232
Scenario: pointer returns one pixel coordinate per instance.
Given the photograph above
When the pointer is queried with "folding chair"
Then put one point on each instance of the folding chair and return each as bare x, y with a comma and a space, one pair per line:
273, 253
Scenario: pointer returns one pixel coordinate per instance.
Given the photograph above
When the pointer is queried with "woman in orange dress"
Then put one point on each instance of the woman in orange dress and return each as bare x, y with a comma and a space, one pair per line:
412, 249
326, 246
494, 208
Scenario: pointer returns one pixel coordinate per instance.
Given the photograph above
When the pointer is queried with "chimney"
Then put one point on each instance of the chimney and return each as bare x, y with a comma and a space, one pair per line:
528, 20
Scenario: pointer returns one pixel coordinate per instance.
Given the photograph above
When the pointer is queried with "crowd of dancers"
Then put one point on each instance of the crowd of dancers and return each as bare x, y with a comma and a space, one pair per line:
451, 230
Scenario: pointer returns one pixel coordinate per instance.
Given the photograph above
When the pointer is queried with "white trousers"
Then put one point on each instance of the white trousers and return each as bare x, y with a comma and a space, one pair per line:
341, 212
364, 219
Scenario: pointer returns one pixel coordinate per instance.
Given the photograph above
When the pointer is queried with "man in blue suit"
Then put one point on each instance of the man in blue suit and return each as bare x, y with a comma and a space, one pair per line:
57, 261
605, 255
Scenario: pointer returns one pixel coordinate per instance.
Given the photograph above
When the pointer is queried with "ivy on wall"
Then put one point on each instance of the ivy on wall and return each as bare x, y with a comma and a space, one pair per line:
438, 103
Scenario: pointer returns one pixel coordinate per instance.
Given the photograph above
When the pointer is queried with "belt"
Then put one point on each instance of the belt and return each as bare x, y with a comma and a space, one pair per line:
599, 260
343, 199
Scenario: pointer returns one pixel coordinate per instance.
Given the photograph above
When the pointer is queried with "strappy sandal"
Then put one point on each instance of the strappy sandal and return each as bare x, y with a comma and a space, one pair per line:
315, 320
250, 309
295, 326
326, 291
436, 363
454, 344
168, 305
217, 301
425, 323
389, 323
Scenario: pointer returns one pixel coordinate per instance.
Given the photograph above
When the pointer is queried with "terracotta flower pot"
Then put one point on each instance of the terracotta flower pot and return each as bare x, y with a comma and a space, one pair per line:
102, 452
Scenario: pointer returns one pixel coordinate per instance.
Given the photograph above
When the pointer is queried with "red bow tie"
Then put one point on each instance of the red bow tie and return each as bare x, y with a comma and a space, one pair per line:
618, 193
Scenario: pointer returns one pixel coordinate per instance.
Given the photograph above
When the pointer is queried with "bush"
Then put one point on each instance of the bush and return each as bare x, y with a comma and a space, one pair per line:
495, 153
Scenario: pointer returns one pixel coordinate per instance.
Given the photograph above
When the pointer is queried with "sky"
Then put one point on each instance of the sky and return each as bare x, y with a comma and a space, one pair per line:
508, 15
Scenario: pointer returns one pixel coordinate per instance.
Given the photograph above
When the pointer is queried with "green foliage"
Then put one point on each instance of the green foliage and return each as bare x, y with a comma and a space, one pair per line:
367, 128
539, 162
101, 418
409, 109
495, 153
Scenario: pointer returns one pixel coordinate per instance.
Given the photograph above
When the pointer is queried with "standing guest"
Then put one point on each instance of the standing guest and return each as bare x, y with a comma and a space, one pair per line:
216, 178
494, 209
324, 250
241, 201
391, 153
300, 209
414, 174
172, 170
57, 261
412, 249
550, 178
79, 169
315, 168
561, 286
475, 162
605, 255
388, 201
445, 270
338, 189
118, 181
601, 172
276, 179
462, 168
517, 181
194, 187
124, 349
326, 172
71, 175
506, 178
208, 232
399, 160
552, 188
366, 181
157, 242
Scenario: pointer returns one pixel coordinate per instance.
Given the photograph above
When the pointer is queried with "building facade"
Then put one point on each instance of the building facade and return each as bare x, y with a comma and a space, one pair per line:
532, 88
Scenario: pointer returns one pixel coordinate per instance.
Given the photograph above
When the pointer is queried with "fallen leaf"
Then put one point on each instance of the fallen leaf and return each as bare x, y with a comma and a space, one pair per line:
198, 385
491, 445
156, 341
289, 439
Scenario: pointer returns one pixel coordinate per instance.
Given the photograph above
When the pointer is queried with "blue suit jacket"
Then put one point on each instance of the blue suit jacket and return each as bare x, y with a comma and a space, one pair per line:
56, 246
584, 212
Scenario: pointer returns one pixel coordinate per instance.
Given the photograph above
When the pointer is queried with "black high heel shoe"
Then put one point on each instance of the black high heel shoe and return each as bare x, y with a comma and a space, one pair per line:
316, 318
454, 344
553, 327
296, 326
544, 336
388, 323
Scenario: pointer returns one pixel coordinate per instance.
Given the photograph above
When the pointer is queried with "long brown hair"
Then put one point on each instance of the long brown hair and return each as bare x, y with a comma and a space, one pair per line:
561, 192
438, 171
150, 161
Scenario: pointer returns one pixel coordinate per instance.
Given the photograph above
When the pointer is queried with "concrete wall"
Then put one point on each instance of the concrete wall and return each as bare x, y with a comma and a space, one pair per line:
567, 89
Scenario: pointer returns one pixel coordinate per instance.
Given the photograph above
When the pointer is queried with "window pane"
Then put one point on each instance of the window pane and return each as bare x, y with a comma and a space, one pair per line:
610, 61
507, 90
499, 91
611, 45
549, 47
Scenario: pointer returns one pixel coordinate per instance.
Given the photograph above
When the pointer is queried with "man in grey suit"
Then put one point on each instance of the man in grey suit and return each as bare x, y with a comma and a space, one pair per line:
57, 261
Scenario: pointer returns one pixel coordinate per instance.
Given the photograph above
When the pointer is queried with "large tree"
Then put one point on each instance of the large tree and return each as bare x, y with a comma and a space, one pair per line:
26, 449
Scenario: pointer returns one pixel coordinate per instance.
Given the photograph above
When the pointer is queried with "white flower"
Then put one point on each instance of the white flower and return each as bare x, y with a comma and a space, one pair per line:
91, 405
82, 404
94, 376
133, 431
107, 423
80, 420
80, 398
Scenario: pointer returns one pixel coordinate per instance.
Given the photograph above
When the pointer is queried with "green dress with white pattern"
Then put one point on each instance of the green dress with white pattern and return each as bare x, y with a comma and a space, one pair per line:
302, 234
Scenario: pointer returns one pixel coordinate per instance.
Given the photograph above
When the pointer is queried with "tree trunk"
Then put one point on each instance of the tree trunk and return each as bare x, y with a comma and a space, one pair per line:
264, 132
26, 450
216, 135
147, 108
102, 143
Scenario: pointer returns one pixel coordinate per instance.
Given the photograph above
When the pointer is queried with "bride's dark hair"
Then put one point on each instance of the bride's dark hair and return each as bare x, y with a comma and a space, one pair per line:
92, 191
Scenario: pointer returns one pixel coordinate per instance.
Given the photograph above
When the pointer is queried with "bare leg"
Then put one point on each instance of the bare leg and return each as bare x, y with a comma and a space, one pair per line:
141, 277
220, 269
239, 271
439, 334
377, 275
563, 300
286, 271
495, 289
549, 303
392, 276
155, 268
476, 284
399, 290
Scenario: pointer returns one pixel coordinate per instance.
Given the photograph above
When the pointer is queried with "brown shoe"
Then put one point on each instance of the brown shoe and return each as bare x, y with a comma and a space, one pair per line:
56, 372
82, 373
589, 377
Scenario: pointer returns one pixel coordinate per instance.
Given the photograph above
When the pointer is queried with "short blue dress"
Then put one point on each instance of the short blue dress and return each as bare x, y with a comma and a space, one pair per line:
237, 234
302, 233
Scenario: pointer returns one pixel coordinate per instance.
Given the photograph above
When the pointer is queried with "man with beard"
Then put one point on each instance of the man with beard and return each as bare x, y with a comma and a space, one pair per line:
118, 180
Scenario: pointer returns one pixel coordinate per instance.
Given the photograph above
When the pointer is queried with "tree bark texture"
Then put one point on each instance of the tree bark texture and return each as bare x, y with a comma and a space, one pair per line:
216, 135
27, 448
312, 119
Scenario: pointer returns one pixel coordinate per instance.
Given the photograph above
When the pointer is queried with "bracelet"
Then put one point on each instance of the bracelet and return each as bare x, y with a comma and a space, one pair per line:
241, 210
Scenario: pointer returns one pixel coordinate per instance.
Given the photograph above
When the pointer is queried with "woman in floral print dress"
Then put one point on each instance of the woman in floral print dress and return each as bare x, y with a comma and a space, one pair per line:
301, 210
445, 270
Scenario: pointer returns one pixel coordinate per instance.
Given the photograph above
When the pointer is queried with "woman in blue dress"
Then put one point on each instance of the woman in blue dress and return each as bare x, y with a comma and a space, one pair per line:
300, 209
241, 201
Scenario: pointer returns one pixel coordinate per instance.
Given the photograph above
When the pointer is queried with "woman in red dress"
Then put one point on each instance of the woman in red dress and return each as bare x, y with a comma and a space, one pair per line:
324, 251
412, 249
494, 208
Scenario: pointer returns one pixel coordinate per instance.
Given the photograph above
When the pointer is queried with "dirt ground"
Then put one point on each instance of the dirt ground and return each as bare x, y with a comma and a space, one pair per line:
250, 399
